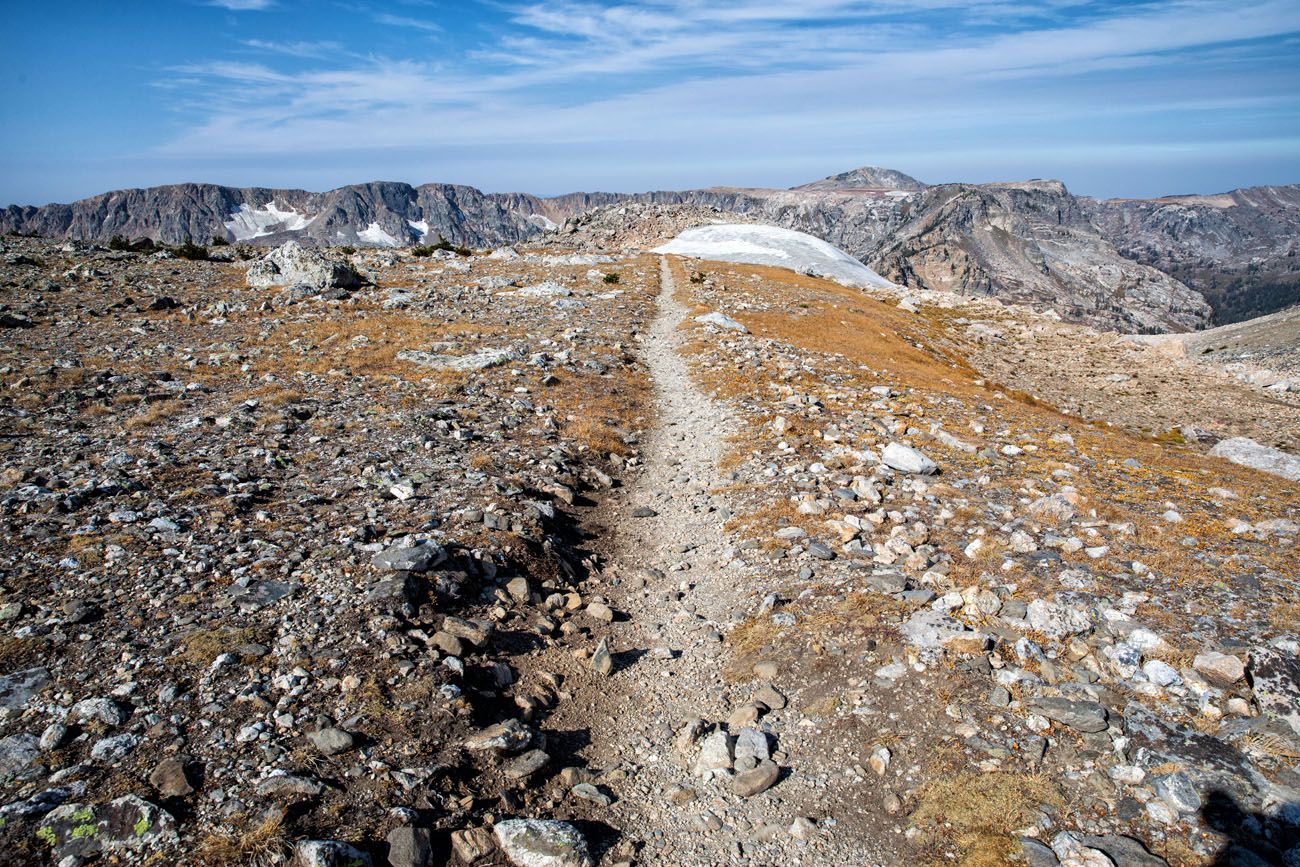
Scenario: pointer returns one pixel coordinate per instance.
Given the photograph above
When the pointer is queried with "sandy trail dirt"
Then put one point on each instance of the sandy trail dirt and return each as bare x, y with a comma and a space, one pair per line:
675, 594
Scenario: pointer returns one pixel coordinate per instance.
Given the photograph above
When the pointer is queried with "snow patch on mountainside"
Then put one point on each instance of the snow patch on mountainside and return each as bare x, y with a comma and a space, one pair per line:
421, 226
769, 245
248, 223
373, 234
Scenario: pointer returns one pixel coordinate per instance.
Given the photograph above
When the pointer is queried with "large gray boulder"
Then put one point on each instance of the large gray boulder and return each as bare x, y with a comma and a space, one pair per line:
127, 830
293, 265
1248, 453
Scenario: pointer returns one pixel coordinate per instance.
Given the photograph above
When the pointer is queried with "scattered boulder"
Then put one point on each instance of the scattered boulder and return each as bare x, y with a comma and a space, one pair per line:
17, 753
415, 558
328, 853
1057, 621
747, 784
473, 844
294, 265
18, 688
723, 321
510, 736
410, 847
542, 843
125, 827
906, 459
1276, 679
331, 741
1223, 669
170, 779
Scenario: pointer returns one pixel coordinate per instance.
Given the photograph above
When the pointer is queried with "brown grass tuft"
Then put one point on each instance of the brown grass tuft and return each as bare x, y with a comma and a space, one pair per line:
265, 843
979, 812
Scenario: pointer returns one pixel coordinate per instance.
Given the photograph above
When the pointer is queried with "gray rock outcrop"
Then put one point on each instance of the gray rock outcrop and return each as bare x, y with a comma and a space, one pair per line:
293, 265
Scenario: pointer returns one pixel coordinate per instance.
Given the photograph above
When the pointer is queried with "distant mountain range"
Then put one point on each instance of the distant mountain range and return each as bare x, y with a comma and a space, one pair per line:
1178, 263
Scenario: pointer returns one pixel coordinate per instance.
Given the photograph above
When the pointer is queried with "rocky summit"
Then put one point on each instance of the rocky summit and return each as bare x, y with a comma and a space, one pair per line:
643, 530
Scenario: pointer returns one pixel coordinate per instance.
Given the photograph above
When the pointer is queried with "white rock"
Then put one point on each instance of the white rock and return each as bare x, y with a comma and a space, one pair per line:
715, 755
721, 320
1160, 673
907, 459
540, 843
1056, 621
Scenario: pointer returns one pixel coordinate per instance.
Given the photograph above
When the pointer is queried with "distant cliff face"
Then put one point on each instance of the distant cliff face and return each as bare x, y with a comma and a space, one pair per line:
1124, 265
1031, 243
1240, 249
382, 214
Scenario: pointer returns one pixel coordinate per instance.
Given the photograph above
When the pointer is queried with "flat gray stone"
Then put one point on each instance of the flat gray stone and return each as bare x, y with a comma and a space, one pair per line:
1083, 716
1276, 678
409, 847
18, 688
17, 754
419, 558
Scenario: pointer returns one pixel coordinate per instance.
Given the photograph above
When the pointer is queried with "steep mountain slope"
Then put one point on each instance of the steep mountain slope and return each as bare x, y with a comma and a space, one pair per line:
1032, 243
1239, 249
379, 214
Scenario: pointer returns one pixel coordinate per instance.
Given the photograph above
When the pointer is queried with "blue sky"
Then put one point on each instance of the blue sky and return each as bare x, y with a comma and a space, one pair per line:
550, 96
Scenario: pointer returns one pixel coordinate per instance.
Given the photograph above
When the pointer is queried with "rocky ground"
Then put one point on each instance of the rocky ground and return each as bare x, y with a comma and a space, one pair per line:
582, 555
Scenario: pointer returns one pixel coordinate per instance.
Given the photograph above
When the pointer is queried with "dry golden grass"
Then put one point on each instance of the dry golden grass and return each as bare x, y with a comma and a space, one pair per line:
1283, 615
150, 417
17, 652
979, 812
264, 843
597, 412
761, 523
596, 436
204, 645
747, 641
366, 342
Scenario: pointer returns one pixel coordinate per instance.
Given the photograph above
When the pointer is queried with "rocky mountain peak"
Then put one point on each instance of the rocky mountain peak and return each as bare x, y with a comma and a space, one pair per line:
867, 178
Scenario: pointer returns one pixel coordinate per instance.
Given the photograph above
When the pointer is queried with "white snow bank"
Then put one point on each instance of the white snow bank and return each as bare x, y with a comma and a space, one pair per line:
373, 234
420, 226
247, 223
769, 245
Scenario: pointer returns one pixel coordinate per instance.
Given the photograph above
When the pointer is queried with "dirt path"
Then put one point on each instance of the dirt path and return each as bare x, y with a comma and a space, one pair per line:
676, 593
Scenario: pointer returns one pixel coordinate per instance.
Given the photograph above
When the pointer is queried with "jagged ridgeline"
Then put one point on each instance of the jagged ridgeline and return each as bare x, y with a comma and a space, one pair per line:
1174, 264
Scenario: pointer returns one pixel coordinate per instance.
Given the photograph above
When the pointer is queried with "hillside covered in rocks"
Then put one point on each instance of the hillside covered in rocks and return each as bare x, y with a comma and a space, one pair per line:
569, 553
1173, 264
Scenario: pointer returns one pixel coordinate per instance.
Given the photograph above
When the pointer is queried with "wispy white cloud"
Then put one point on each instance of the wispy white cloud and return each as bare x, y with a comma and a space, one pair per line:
243, 5
296, 49
705, 77
407, 22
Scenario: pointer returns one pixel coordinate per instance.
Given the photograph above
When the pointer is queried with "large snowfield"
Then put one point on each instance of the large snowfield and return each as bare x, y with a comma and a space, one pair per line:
768, 245
248, 223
